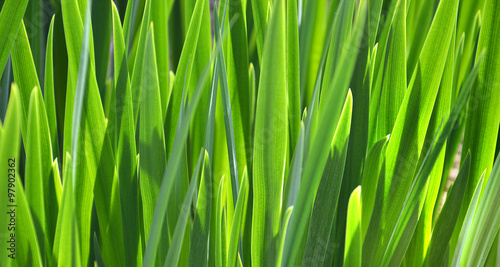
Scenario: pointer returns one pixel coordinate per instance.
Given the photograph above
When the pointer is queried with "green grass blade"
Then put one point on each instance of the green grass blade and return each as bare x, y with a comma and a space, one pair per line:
371, 172
159, 17
126, 153
176, 244
486, 223
49, 90
10, 143
238, 84
253, 92
467, 223
38, 169
311, 41
181, 82
184, 71
270, 142
228, 119
442, 232
481, 130
292, 187
320, 227
483, 109
93, 155
11, 17
70, 226
415, 112
284, 228
138, 67
327, 123
237, 221
219, 240
24, 72
293, 74
353, 237
67, 227
102, 26
421, 237
170, 171
152, 149
200, 57
394, 86
260, 11
201, 228
405, 224
27, 244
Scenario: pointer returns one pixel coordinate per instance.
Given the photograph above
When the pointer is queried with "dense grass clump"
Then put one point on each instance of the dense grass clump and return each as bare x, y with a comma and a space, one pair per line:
249, 132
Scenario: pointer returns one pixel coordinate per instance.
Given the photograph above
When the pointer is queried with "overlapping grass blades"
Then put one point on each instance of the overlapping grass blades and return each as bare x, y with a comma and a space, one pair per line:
280, 133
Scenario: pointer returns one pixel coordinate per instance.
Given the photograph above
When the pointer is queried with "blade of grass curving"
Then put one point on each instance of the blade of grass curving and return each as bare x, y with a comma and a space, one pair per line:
486, 223
234, 236
406, 142
49, 91
442, 232
94, 158
484, 107
353, 236
126, 153
171, 170
270, 142
183, 76
327, 195
421, 237
466, 226
10, 144
405, 224
176, 244
358, 140
369, 180
198, 253
24, 72
328, 120
482, 120
11, 17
